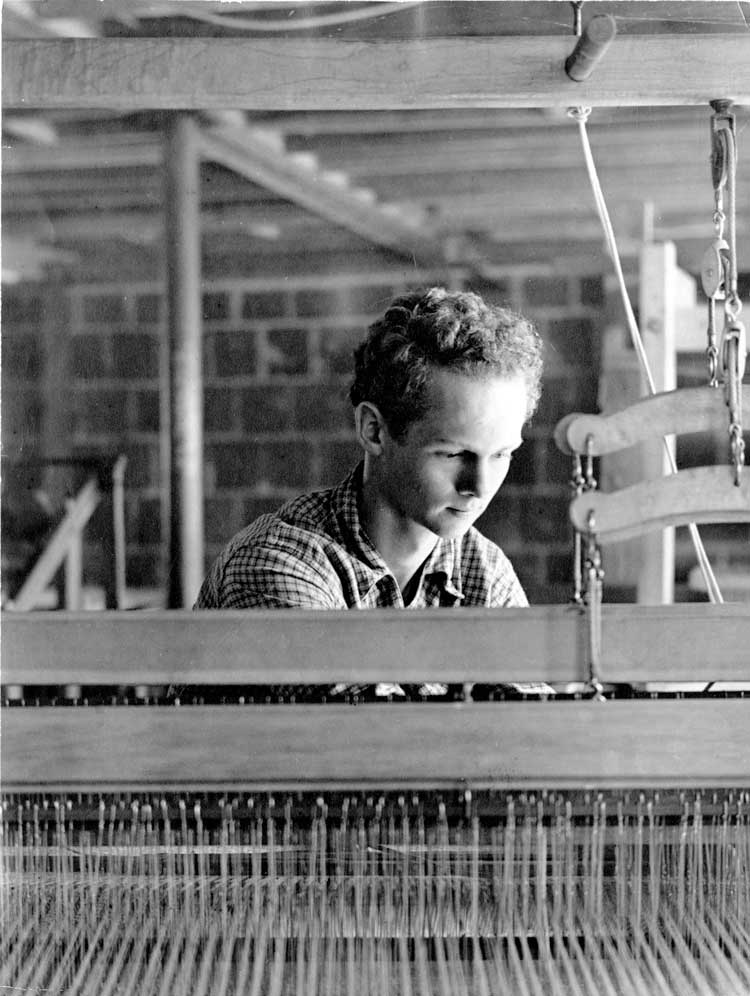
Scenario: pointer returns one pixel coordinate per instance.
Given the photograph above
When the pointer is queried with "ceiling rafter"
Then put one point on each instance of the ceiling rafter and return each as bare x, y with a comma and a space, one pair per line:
261, 157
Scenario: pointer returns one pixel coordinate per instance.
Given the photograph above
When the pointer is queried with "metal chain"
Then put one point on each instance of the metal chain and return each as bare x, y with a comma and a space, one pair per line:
732, 351
714, 265
594, 579
577, 483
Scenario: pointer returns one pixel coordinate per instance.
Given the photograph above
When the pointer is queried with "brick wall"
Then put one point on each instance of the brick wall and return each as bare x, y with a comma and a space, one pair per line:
277, 360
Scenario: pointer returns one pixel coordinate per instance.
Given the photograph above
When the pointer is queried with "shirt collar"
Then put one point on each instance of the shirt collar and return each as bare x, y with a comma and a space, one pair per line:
346, 502
443, 561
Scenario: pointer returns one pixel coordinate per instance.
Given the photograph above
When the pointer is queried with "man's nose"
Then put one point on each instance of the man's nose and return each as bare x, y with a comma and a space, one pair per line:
475, 479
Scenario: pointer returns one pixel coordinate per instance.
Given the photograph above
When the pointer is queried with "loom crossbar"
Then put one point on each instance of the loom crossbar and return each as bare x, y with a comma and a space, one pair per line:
685, 642
670, 742
662, 743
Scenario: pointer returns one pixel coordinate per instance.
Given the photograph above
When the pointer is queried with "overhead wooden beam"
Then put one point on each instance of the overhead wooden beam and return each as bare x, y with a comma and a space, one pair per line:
326, 74
510, 146
405, 122
303, 183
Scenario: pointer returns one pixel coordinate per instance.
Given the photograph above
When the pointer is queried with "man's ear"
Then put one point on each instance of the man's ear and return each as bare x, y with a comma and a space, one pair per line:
370, 427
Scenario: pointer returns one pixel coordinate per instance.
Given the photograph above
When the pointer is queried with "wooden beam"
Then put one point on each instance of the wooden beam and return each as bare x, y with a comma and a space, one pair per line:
667, 743
542, 643
247, 154
450, 121
514, 143
183, 279
77, 514
326, 74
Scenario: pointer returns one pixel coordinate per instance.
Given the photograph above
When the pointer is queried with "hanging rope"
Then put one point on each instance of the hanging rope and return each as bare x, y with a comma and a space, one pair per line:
581, 116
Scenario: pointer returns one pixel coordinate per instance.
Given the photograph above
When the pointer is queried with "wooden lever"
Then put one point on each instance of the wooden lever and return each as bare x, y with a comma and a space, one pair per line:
691, 409
701, 494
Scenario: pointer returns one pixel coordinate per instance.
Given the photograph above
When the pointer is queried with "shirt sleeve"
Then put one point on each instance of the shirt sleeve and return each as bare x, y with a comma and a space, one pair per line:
268, 577
507, 591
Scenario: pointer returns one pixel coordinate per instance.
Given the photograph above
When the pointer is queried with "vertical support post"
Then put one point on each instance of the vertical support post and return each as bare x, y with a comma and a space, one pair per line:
118, 531
56, 324
643, 566
658, 321
74, 568
182, 227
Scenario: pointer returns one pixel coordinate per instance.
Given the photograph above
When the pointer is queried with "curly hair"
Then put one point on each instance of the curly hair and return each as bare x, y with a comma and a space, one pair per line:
437, 328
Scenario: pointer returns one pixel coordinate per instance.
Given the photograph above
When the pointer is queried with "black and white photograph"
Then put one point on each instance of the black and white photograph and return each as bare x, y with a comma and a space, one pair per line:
375, 590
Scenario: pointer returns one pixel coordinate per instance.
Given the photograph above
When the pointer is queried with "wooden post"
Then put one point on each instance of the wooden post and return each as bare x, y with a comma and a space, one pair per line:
57, 479
119, 573
74, 571
658, 313
182, 226
646, 563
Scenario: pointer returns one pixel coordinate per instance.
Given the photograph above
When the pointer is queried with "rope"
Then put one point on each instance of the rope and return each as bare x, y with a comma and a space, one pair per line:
581, 116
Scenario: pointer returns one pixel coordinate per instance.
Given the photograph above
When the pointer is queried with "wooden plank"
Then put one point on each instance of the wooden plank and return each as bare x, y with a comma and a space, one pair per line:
544, 146
78, 512
691, 409
658, 319
543, 643
326, 74
674, 743
699, 495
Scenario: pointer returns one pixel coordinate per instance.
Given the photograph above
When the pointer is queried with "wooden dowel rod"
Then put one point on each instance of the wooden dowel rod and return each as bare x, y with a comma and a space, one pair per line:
593, 43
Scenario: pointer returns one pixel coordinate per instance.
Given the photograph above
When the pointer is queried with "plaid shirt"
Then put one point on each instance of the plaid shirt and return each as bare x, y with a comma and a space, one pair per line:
314, 554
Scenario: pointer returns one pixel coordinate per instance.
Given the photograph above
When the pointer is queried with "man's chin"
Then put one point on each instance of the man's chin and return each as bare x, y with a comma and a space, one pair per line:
453, 524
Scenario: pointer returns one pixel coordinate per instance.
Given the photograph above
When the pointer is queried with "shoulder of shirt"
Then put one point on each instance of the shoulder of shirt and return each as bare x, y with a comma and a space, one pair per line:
488, 573
475, 544
307, 522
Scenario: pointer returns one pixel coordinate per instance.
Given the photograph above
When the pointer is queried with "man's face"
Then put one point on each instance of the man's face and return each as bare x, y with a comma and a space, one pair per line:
448, 467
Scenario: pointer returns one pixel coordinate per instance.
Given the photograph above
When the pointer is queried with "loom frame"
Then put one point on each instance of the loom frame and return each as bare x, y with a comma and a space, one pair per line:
672, 742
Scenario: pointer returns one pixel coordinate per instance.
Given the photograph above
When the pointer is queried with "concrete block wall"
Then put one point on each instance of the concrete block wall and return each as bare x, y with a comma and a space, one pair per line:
277, 360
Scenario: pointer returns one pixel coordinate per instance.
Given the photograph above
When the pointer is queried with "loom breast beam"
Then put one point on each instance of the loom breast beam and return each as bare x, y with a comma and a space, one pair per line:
668, 743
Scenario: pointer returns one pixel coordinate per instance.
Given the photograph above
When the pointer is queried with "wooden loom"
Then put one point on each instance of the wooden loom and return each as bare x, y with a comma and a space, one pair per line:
463, 847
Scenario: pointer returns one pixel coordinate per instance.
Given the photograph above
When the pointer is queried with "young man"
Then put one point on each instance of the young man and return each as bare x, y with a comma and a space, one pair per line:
443, 385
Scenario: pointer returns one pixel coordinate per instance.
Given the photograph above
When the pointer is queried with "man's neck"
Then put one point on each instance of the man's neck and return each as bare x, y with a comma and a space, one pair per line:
403, 545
